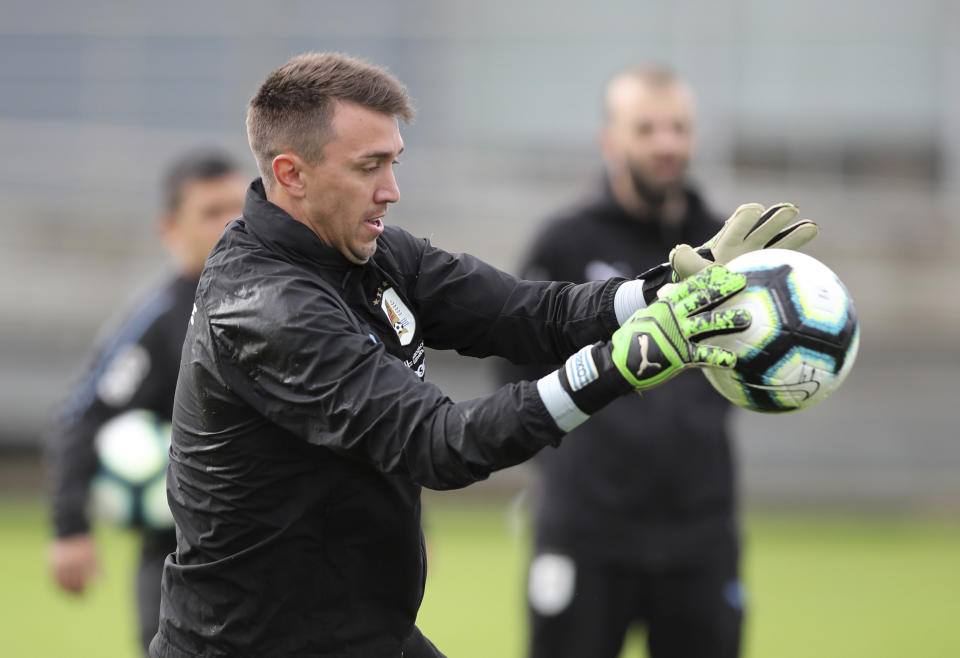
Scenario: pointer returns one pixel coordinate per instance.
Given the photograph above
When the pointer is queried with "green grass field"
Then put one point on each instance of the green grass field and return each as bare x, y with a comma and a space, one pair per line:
832, 586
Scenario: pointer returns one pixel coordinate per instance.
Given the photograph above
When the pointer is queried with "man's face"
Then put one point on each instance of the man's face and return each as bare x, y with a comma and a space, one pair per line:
206, 206
649, 135
347, 192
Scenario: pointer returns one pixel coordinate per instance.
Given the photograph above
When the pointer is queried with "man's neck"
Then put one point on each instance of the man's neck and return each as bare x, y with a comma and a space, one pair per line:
285, 202
669, 210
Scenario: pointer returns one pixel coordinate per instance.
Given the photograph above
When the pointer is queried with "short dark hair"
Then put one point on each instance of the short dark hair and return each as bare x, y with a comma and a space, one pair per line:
197, 165
293, 108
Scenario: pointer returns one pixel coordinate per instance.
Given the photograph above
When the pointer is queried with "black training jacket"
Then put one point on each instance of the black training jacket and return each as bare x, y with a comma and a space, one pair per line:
134, 366
648, 480
304, 431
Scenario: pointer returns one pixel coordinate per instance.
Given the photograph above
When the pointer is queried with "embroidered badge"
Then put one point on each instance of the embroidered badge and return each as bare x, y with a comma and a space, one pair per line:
401, 318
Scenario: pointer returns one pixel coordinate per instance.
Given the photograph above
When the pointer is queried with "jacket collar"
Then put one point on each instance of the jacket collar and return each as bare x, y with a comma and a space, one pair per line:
275, 228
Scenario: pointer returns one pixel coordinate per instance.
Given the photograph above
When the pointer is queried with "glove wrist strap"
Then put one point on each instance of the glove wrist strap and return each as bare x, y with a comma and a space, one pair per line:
583, 385
629, 299
654, 279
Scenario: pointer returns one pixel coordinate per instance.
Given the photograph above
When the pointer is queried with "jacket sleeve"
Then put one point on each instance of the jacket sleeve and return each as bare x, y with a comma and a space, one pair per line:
298, 358
121, 377
547, 257
71, 464
478, 310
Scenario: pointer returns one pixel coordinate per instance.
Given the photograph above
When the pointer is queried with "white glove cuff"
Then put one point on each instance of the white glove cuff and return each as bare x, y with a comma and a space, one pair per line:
559, 403
628, 299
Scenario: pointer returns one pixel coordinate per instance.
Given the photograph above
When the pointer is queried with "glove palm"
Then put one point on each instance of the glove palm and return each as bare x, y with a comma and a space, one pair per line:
749, 228
660, 341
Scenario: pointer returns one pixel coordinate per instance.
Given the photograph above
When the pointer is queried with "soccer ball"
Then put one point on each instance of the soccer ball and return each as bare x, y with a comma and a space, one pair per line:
129, 489
803, 338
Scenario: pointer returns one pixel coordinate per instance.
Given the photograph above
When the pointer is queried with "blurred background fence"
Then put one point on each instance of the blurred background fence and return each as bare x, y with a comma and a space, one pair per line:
850, 108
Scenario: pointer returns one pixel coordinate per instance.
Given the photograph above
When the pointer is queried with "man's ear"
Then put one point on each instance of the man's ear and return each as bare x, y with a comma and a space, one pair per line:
169, 229
166, 227
287, 170
605, 145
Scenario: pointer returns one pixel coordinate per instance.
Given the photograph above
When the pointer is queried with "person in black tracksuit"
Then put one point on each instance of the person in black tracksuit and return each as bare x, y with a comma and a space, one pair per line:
642, 514
303, 431
303, 428
135, 365
634, 518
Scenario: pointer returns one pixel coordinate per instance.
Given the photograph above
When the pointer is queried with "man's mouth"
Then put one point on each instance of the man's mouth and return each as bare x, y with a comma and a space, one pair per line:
375, 224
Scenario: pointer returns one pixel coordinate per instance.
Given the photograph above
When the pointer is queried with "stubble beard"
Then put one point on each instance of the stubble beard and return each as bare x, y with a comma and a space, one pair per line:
653, 196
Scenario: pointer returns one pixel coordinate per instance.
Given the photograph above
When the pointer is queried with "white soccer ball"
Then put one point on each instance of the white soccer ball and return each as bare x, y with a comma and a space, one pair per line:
129, 489
803, 338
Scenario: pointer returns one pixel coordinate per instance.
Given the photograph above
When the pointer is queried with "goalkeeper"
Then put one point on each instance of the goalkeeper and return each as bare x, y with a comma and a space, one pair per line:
303, 430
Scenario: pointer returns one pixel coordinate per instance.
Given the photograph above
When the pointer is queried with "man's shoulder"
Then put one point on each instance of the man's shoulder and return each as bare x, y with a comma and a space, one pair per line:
235, 242
399, 251
241, 281
400, 242
562, 234
582, 213
698, 210
280, 291
240, 257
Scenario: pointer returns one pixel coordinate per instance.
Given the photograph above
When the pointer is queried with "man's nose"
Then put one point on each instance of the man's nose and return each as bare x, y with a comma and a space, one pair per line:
388, 191
666, 140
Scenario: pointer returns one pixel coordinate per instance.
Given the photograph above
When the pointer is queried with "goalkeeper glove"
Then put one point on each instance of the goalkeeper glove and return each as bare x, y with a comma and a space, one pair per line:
655, 344
749, 228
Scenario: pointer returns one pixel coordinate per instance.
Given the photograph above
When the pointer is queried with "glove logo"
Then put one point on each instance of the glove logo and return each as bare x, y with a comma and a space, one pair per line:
805, 385
645, 362
581, 369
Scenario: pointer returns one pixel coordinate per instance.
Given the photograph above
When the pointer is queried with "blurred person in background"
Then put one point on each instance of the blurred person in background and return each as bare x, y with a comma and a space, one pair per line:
134, 366
634, 518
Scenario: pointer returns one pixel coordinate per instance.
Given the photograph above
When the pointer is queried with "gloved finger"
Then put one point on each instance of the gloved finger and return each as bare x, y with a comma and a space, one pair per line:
715, 282
736, 228
774, 220
705, 290
725, 321
794, 236
666, 289
685, 261
713, 357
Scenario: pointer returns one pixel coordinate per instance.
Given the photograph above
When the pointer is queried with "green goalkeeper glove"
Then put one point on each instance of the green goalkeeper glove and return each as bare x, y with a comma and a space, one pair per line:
655, 344
749, 228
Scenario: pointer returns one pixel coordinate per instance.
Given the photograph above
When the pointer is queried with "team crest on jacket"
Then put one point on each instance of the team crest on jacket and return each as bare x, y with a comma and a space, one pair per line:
401, 318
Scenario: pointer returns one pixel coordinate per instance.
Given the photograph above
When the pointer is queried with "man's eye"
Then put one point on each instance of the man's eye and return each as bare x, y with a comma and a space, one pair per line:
373, 168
